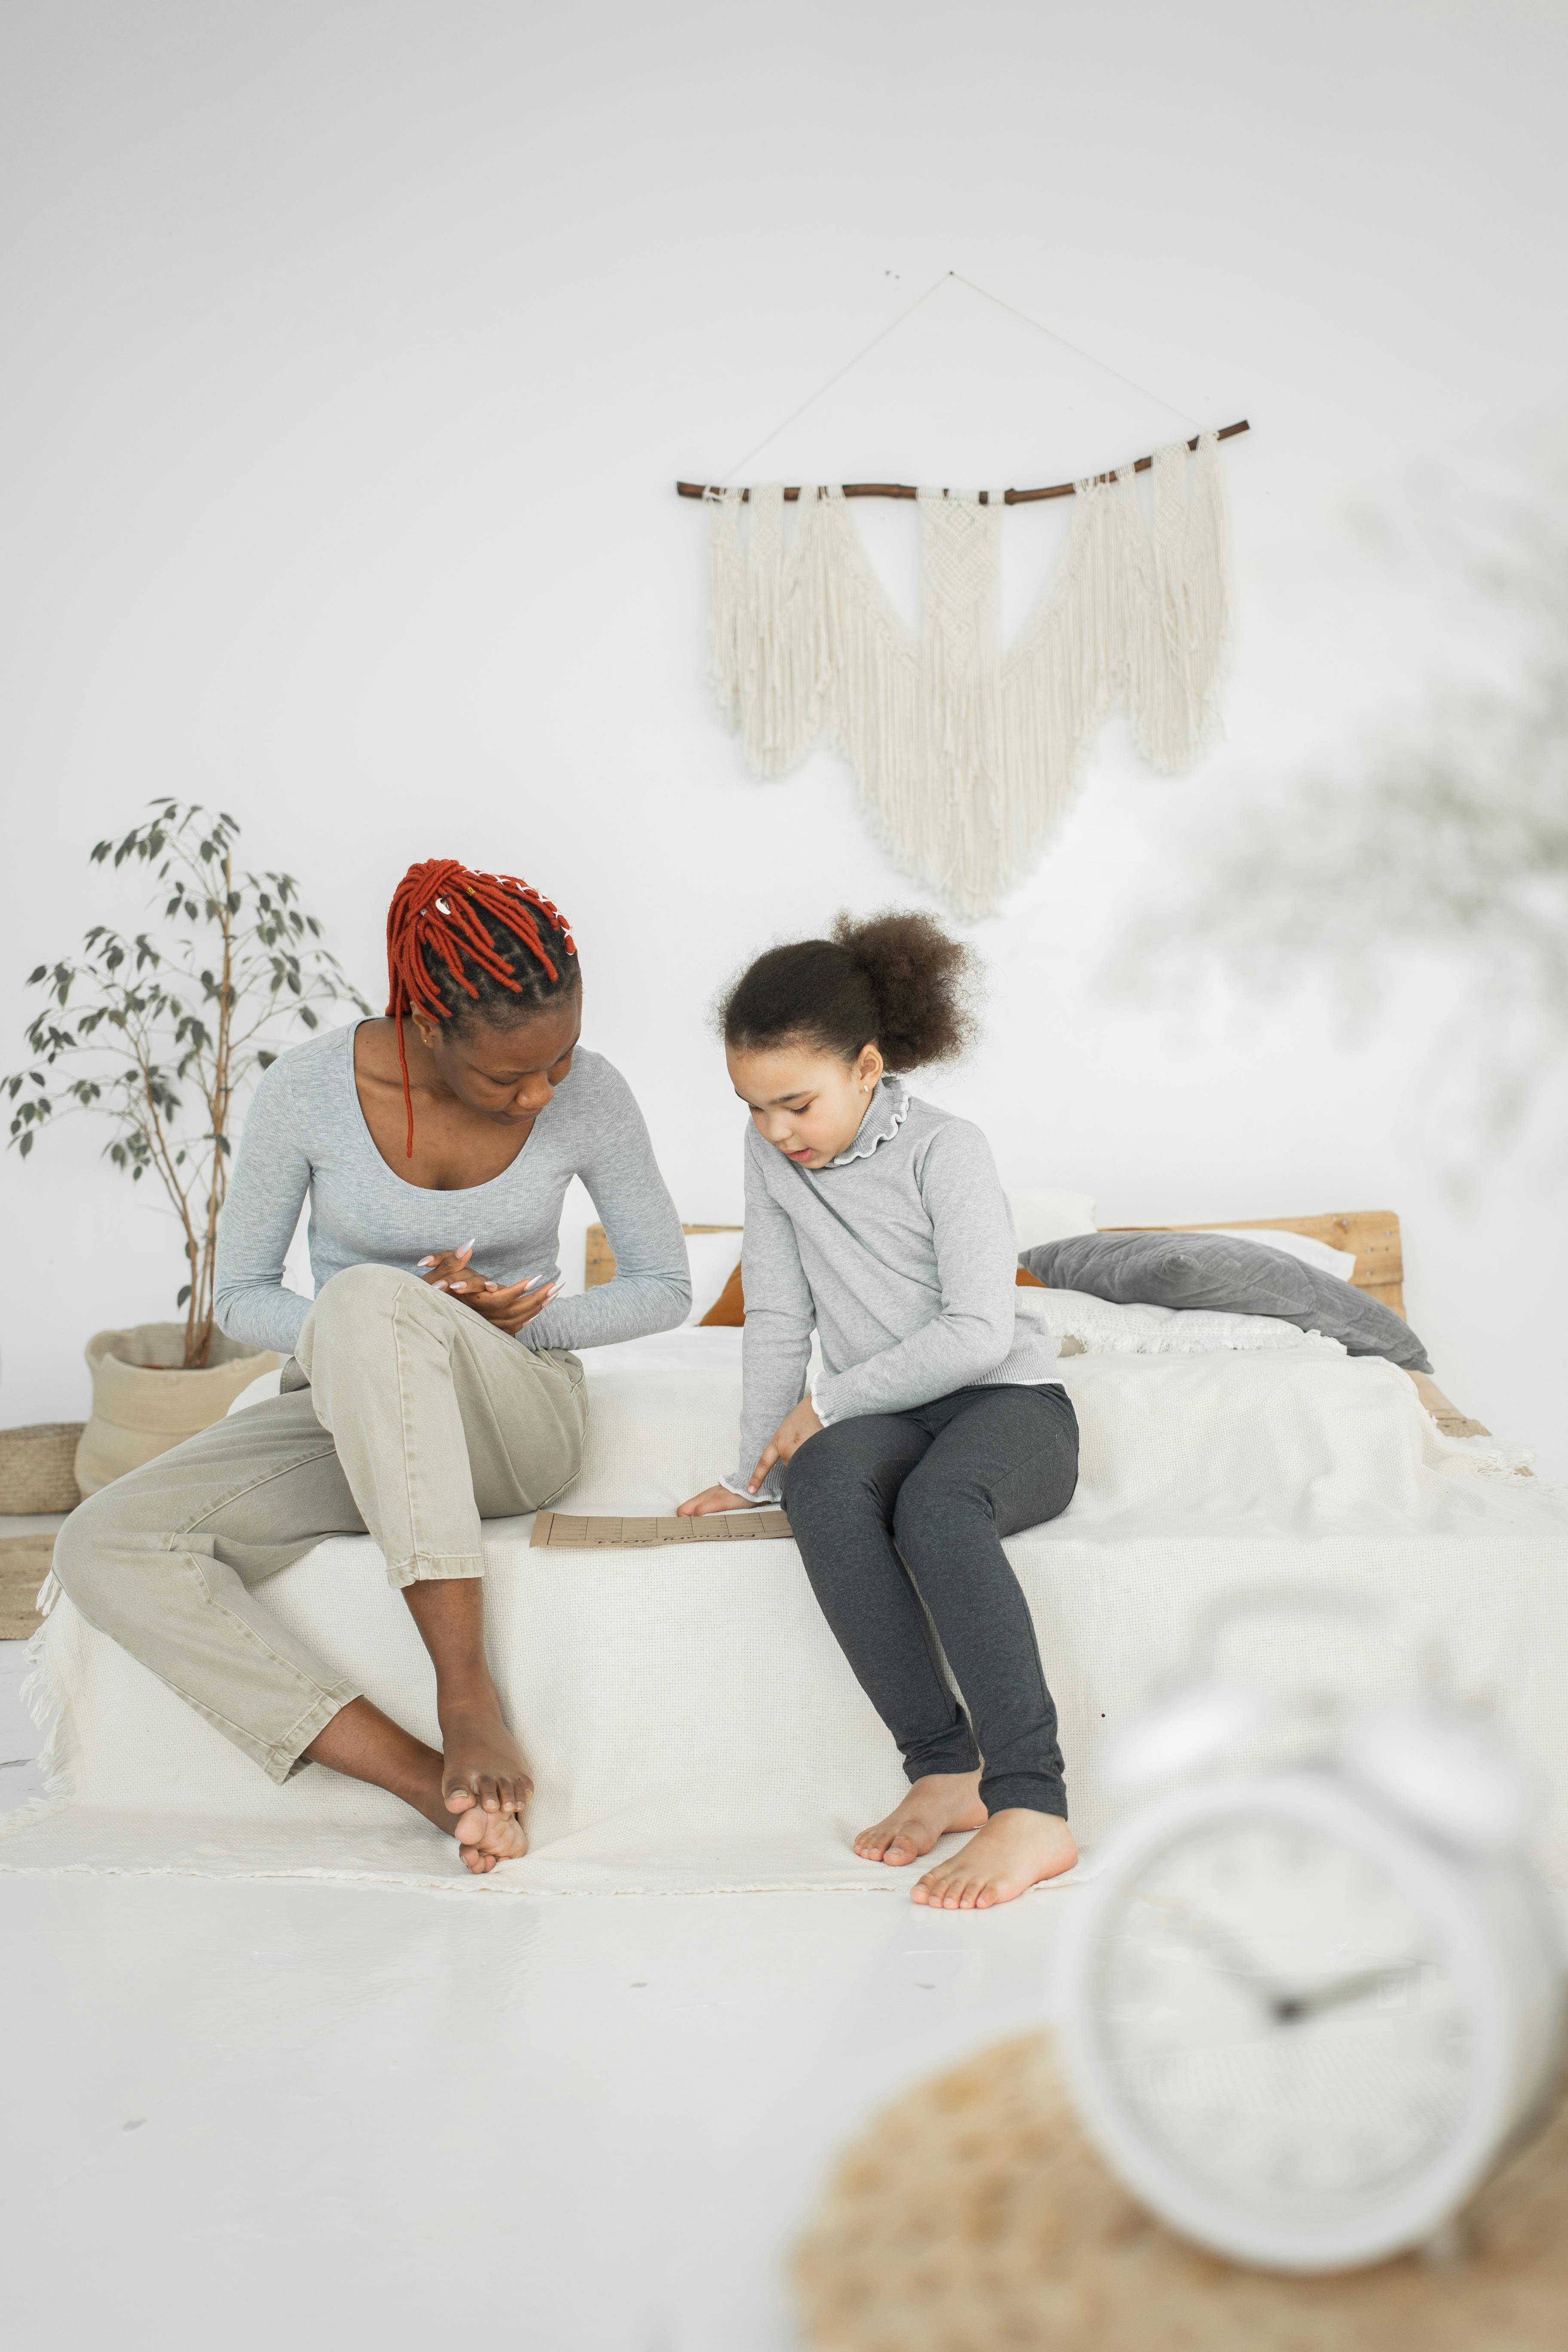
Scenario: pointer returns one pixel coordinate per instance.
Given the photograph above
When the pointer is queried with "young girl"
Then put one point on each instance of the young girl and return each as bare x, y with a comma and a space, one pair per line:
421, 1395
935, 1426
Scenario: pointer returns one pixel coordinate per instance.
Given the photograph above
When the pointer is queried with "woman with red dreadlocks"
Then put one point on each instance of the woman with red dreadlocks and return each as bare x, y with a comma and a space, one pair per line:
433, 1383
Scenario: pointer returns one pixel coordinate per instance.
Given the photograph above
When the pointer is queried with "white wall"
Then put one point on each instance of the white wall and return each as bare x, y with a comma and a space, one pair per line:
354, 347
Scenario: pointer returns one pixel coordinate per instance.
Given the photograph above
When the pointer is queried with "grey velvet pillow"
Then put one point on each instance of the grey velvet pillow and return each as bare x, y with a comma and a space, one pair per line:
1231, 1278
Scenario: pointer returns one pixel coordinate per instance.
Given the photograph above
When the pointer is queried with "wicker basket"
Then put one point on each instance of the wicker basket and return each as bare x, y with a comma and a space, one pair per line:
972, 2214
37, 1471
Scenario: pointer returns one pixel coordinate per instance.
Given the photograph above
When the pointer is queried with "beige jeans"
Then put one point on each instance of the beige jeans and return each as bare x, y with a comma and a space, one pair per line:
405, 1417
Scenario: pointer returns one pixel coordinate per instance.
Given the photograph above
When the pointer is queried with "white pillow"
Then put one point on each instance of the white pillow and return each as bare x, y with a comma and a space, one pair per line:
1322, 1254
1099, 1328
713, 1258
1049, 1216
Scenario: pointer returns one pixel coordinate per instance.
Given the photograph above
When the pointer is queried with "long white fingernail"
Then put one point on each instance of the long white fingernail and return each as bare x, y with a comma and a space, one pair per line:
427, 1261
466, 1248
441, 1286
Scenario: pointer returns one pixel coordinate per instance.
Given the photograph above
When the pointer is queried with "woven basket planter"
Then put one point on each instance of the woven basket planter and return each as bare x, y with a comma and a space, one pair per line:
37, 1467
144, 1402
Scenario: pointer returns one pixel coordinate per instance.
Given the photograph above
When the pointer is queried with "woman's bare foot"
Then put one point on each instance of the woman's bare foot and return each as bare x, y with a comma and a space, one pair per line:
1015, 1850
481, 1763
942, 1801
366, 1745
484, 1839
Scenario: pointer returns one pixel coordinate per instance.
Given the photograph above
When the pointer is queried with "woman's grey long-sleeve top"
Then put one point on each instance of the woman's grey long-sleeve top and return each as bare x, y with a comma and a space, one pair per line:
306, 1133
901, 1252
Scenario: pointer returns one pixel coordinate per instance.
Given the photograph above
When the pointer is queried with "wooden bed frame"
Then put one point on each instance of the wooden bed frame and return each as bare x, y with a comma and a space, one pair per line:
1372, 1233
599, 1258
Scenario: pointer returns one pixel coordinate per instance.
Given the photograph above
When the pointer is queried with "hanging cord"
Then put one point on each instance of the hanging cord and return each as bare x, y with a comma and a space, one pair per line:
838, 374
907, 490
1012, 312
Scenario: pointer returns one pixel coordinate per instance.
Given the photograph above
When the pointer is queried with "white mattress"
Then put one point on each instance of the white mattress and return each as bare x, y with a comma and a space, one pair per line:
691, 1723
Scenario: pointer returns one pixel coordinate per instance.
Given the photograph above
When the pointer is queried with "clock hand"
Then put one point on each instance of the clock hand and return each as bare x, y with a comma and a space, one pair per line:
1221, 1946
1293, 2009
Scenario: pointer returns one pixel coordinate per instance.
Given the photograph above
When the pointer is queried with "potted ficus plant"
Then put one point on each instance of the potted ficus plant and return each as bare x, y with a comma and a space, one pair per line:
162, 1037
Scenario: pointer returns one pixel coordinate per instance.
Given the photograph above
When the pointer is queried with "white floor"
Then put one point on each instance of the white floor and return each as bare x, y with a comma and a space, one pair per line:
283, 2117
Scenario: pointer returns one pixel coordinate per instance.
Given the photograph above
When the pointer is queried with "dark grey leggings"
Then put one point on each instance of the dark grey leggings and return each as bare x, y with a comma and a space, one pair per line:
900, 1508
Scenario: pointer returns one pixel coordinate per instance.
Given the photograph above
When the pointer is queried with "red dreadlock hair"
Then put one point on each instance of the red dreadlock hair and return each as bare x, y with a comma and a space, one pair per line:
443, 910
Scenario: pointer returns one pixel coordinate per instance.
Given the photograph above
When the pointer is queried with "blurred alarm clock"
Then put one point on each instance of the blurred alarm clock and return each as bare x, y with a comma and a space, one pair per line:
1304, 2011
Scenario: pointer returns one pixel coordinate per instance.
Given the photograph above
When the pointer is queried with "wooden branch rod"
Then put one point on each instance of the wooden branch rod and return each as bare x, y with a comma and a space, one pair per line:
1009, 497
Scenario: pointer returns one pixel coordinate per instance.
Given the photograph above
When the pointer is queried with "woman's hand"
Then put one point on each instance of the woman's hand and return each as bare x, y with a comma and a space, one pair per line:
712, 1499
786, 1439
508, 1306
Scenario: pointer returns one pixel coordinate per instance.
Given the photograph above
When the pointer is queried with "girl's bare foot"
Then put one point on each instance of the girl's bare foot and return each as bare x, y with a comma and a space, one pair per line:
481, 1763
942, 1801
484, 1839
1015, 1850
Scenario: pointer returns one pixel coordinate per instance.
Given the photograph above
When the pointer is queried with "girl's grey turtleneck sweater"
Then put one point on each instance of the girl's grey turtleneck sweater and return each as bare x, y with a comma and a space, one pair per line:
900, 1253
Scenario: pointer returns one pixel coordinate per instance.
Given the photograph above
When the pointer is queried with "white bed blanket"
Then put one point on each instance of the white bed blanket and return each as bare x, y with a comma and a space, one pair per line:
690, 1721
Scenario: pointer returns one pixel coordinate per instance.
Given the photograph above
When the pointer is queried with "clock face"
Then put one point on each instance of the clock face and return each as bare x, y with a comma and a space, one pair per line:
1277, 2017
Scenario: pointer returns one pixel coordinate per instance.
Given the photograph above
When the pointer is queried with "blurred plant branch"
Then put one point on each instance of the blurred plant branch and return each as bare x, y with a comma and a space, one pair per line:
1439, 843
172, 1032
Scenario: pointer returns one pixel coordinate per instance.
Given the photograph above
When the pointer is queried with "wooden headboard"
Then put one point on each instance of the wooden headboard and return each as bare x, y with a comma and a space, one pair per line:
1373, 1234
599, 1258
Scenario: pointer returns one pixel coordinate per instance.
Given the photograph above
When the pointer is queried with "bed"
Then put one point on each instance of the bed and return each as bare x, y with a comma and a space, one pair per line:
692, 1726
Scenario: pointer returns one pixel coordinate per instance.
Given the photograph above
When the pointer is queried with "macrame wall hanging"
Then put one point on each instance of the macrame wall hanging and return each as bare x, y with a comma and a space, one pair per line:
965, 750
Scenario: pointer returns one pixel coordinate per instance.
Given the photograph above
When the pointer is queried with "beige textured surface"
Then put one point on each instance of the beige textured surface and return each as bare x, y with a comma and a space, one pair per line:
24, 1564
36, 1467
144, 1402
974, 2216
569, 1533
